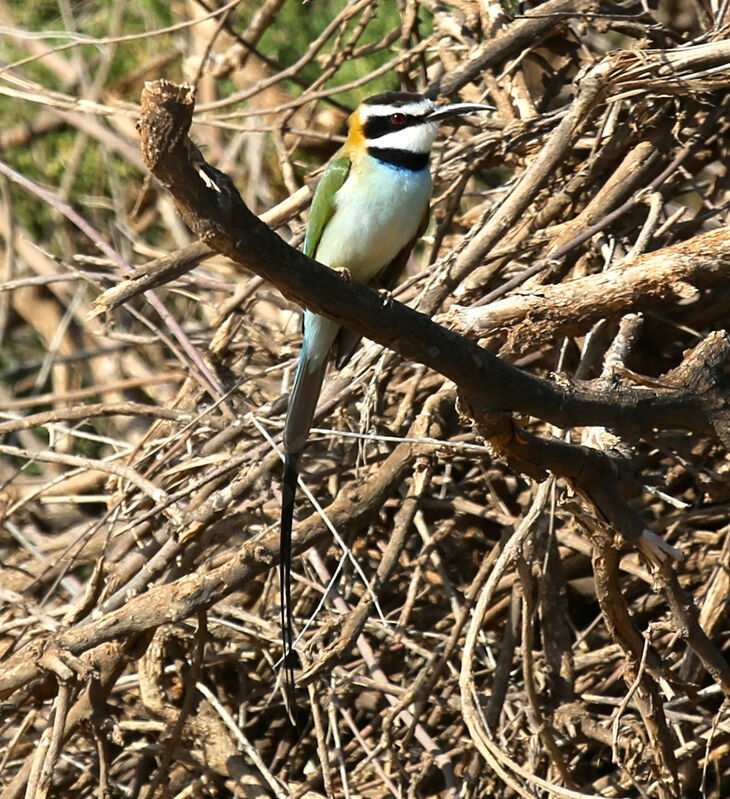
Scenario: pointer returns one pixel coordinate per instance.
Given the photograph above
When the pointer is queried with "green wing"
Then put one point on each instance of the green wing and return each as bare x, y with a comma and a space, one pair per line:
323, 204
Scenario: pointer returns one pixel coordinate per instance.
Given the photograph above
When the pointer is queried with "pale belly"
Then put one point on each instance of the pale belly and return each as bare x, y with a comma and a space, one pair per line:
377, 213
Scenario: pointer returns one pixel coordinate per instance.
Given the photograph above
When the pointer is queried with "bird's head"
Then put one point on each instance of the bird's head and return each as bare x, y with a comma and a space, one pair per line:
402, 121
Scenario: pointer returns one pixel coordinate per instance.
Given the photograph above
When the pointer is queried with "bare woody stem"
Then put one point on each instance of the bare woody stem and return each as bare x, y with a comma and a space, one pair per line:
214, 210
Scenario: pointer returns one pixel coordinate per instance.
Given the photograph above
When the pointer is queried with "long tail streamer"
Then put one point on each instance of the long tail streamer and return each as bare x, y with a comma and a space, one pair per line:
288, 493
302, 404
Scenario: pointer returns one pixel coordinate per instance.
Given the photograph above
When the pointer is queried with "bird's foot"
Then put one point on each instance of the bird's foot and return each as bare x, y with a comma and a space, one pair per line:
344, 273
386, 297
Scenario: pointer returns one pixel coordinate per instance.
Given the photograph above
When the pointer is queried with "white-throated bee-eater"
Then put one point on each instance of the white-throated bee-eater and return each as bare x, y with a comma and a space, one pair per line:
367, 213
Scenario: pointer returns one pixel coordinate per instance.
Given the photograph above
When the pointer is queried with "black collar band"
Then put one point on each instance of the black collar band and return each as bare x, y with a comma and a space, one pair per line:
403, 159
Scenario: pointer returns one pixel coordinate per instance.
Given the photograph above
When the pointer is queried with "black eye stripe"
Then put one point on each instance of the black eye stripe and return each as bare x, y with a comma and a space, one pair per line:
375, 127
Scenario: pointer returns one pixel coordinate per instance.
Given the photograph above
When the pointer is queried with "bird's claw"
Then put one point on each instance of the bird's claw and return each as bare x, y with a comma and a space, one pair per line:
344, 273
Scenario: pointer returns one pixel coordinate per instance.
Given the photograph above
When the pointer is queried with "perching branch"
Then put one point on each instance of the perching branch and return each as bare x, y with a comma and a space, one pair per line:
214, 210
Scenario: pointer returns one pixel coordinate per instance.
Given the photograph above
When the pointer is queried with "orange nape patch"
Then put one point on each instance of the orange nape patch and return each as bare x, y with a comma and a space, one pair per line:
355, 141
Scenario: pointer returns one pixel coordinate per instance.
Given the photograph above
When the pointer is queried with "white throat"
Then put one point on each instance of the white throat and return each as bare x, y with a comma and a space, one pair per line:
415, 138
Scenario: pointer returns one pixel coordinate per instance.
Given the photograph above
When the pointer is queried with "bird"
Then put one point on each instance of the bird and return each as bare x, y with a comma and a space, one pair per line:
368, 211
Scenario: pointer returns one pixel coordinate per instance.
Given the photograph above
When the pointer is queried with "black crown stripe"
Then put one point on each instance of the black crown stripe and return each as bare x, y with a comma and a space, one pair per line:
394, 98
403, 159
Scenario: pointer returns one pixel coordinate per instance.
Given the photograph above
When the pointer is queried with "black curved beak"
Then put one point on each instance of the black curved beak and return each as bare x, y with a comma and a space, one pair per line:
456, 109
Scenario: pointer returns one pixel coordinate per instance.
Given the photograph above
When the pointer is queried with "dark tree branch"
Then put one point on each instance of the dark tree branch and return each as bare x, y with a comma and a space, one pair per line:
212, 207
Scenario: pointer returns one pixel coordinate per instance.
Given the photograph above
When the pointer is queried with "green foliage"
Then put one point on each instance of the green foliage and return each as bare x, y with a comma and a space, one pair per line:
90, 22
512, 7
298, 25
46, 160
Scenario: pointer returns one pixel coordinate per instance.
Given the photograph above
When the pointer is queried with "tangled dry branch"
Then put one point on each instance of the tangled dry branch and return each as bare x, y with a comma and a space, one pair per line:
526, 471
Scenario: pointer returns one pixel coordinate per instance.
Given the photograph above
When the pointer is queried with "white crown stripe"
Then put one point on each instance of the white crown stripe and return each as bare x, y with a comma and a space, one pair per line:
418, 108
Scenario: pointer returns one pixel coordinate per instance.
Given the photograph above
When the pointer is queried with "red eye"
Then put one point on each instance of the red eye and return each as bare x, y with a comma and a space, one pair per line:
398, 119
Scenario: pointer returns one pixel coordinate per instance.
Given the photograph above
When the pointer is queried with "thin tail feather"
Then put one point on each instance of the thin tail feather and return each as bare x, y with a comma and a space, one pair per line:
288, 493
302, 404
